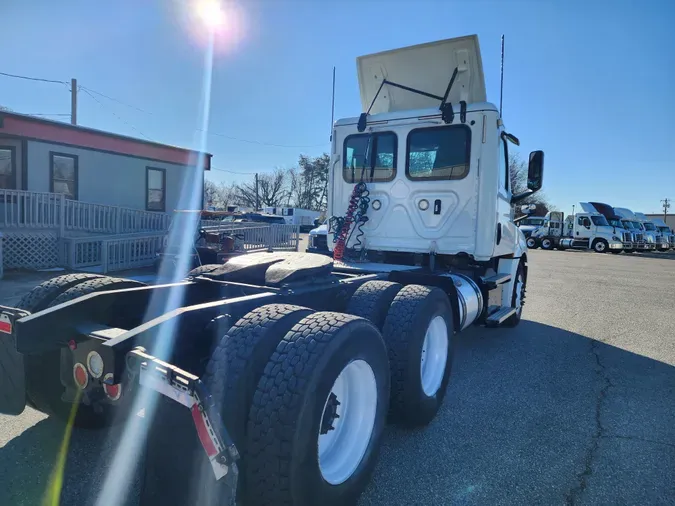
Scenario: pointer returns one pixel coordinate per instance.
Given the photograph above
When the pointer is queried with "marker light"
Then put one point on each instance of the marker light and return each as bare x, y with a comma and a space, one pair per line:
95, 364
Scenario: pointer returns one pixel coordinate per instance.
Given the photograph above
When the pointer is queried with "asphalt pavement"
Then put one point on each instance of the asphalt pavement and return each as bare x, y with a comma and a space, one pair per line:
576, 405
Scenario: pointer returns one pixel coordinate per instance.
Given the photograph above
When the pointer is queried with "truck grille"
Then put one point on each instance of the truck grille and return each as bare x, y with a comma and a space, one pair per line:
672, 239
626, 237
321, 242
639, 238
660, 239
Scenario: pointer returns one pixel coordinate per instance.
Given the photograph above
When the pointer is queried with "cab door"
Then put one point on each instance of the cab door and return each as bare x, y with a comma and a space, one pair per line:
507, 231
582, 229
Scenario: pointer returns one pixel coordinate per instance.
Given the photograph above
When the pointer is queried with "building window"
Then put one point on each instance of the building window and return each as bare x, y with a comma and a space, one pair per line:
63, 178
438, 153
370, 157
7, 168
155, 199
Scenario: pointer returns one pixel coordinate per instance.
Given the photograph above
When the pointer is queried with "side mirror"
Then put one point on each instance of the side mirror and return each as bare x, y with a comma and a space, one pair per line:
535, 171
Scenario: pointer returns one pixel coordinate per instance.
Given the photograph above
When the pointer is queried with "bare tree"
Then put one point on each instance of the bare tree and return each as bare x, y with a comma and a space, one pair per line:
218, 195
271, 190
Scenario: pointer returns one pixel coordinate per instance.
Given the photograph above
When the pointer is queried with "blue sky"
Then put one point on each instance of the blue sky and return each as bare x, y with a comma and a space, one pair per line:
590, 85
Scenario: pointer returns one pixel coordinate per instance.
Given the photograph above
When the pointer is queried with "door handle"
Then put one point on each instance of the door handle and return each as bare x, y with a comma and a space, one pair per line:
437, 206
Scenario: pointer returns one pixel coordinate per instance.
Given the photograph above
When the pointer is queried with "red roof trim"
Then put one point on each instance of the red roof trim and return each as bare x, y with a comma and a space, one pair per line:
51, 131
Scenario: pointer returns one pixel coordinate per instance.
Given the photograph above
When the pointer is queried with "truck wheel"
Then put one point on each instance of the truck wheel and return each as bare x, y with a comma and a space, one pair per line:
43, 375
532, 243
419, 331
372, 300
202, 269
600, 246
318, 414
42, 295
239, 360
518, 297
546, 244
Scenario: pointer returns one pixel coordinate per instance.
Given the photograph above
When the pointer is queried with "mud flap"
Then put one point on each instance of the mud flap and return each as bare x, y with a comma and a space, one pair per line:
12, 376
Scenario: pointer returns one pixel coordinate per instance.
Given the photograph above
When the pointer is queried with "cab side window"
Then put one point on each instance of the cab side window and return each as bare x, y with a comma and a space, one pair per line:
503, 165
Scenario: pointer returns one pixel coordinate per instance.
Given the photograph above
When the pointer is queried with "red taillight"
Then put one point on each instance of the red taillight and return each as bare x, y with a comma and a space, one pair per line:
113, 392
80, 375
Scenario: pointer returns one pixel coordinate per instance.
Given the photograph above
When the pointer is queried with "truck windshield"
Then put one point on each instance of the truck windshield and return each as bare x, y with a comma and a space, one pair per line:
438, 153
616, 223
649, 226
637, 225
664, 230
600, 221
369, 157
532, 221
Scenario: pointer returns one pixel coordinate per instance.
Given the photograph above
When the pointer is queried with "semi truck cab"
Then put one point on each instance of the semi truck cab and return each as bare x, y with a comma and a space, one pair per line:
592, 231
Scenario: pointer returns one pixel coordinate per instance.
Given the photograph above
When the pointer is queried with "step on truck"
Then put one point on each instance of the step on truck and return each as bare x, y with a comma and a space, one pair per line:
269, 379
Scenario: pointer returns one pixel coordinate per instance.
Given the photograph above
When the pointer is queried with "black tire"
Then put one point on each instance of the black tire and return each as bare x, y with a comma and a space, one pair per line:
203, 269
404, 332
546, 244
288, 412
43, 383
239, 360
42, 295
372, 300
600, 246
514, 320
532, 243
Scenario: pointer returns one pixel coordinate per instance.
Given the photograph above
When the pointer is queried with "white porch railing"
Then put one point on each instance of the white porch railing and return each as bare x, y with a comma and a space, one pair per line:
40, 210
111, 253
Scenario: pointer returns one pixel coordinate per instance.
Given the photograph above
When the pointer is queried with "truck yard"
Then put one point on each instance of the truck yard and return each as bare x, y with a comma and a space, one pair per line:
576, 405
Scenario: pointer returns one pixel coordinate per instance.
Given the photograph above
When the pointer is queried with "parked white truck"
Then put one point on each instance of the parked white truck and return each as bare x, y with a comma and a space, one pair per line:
665, 231
586, 230
621, 228
646, 240
285, 366
652, 230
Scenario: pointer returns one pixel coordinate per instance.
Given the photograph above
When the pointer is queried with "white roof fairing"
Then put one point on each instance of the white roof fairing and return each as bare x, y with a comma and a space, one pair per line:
425, 67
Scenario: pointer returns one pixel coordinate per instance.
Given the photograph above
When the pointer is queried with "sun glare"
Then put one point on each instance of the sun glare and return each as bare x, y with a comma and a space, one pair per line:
211, 13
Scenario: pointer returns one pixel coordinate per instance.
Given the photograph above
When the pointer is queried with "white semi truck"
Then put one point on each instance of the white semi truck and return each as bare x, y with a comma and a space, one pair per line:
652, 230
586, 230
646, 240
665, 231
269, 379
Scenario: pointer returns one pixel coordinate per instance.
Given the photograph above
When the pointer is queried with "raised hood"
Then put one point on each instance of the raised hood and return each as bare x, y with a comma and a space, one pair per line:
425, 67
626, 214
641, 217
588, 207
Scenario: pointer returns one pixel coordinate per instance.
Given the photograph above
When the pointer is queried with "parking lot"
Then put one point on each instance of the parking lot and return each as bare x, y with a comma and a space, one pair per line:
574, 406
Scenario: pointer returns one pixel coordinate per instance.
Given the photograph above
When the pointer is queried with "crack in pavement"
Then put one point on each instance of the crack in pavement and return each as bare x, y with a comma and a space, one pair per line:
574, 495
636, 438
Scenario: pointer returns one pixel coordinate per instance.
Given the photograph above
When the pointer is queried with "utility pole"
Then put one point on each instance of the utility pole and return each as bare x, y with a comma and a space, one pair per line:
257, 195
666, 206
73, 101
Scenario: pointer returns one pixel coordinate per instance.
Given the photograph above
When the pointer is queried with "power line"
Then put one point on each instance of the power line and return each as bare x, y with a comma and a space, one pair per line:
235, 172
91, 92
208, 132
114, 100
29, 78
113, 113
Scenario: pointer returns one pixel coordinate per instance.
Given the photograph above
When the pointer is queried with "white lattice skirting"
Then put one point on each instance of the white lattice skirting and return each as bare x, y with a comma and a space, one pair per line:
30, 250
